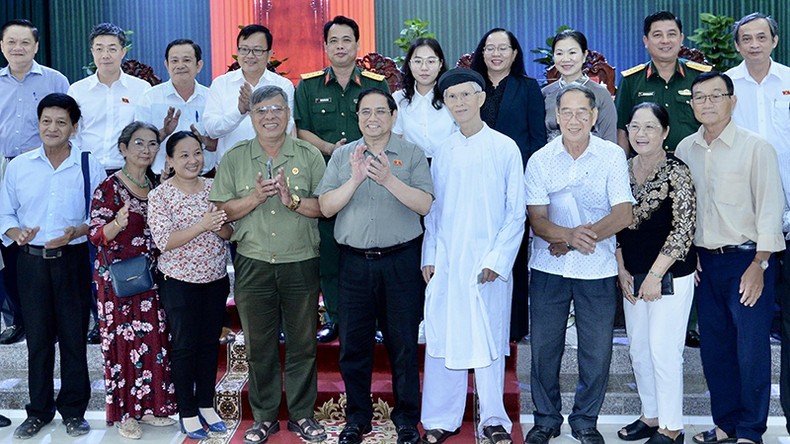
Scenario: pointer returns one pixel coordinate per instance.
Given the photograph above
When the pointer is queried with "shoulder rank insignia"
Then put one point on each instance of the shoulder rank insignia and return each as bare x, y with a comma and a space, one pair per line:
373, 75
699, 66
310, 75
634, 70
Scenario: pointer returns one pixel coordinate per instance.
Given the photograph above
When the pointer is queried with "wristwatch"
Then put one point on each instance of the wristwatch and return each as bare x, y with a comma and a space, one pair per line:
762, 264
295, 202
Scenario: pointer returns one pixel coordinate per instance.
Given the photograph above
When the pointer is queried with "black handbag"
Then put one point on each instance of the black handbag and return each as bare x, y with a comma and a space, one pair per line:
131, 277
667, 286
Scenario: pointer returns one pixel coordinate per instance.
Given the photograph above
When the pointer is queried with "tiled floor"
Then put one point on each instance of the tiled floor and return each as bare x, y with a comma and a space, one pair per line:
55, 433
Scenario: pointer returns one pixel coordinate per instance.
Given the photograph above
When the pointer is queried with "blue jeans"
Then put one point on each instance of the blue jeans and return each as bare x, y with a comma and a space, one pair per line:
594, 303
734, 343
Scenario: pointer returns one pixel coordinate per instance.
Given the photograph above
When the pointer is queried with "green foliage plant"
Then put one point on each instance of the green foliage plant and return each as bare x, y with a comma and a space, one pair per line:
714, 39
413, 29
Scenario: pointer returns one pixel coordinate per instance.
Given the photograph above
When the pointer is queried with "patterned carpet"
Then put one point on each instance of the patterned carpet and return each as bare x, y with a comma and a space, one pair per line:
231, 405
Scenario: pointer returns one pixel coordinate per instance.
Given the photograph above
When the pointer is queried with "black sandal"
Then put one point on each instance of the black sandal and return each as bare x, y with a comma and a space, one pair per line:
636, 430
306, 430
497, 434
261, 432
438, 435
709, 437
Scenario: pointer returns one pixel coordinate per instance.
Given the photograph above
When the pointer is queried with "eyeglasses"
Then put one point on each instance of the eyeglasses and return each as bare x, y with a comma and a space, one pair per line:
714, 98
257, 52
112, 49
366, 113
140, 145
430, 61
460, 97
650, 130
581, 115
490, 49
276, 110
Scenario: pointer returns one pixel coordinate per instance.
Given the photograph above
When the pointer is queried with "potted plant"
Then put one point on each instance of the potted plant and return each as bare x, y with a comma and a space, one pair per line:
413, 29
714, 39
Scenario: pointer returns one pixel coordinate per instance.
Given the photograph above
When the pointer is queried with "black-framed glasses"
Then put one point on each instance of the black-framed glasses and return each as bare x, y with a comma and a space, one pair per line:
257, 52
714, 98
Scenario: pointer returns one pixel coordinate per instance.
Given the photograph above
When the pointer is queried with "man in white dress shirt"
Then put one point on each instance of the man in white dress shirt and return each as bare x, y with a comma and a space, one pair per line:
573, 260
107, 98
763, 89
44, 210
179, 103
227, 119
472, 235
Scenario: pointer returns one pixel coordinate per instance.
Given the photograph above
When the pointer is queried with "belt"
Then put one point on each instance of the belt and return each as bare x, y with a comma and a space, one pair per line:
745, 247
48, 253
378, 253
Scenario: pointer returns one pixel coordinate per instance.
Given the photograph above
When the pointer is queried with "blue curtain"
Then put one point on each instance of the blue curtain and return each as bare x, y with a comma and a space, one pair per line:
155, 23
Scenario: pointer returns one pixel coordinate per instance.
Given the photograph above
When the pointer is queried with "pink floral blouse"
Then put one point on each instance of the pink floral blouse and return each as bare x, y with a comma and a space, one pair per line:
201, 260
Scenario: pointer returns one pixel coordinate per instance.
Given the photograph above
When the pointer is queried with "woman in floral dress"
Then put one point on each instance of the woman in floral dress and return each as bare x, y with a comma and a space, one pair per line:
133, 329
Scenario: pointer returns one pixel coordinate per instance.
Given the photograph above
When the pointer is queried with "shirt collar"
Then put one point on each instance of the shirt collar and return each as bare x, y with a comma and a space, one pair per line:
742, 71
170, 90
727, 136
652, 71
93, 80
558, 148
356, 76
34, 69
286, 150
393, 145
74, 156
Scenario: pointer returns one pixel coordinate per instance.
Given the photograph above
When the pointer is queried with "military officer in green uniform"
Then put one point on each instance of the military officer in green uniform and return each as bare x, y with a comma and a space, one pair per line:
665, 80
325, 116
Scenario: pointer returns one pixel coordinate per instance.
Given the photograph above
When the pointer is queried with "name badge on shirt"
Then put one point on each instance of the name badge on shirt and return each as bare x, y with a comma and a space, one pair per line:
323, 100
786, 93
124, 100
398, 162
645, 93
685, 92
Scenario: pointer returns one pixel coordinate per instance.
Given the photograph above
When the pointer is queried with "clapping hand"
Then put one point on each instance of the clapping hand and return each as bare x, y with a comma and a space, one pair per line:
244, 98
171, 121
213, 219
359, 164
379, 169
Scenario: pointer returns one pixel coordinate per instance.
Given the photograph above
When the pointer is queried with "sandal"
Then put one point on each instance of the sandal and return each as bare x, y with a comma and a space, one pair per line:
261, 432
438, 435
130, 429
157, 421
29, 428
306, 430
710, 437
636, 430
497, 434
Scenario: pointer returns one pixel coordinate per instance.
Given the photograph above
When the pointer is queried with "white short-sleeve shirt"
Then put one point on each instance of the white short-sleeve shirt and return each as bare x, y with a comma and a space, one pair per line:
598, 180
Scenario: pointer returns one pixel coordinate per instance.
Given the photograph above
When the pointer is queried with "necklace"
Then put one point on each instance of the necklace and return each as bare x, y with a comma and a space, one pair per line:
147, 183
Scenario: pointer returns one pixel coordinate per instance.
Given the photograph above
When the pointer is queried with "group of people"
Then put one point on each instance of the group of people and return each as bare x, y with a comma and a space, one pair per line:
398, 208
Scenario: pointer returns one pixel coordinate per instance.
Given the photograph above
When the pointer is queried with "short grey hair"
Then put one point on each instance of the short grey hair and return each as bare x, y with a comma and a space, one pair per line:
576, 87
772, 25
265, 93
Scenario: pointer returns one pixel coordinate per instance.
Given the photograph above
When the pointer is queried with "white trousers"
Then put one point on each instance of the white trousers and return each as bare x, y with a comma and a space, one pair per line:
444, 395
657, 334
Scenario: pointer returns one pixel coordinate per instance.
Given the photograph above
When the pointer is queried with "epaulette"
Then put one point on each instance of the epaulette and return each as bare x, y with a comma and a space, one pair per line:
310, 75
633, 70
699, 66
373, 75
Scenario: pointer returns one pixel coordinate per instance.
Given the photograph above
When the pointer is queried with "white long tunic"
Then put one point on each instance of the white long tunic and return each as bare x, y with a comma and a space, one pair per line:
476, 222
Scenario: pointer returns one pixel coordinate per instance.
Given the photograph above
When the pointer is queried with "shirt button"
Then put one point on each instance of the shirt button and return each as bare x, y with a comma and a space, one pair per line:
273, 259
343, 114
273, 234
342, 133
272, 211
666, 86
323, 111
666, 105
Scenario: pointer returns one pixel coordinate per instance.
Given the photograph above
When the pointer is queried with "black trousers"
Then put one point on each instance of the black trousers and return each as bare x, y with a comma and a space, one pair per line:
387, 289
55, 296
195, 313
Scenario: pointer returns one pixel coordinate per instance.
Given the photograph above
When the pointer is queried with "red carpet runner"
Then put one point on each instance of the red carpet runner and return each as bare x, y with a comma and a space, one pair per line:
233, 405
